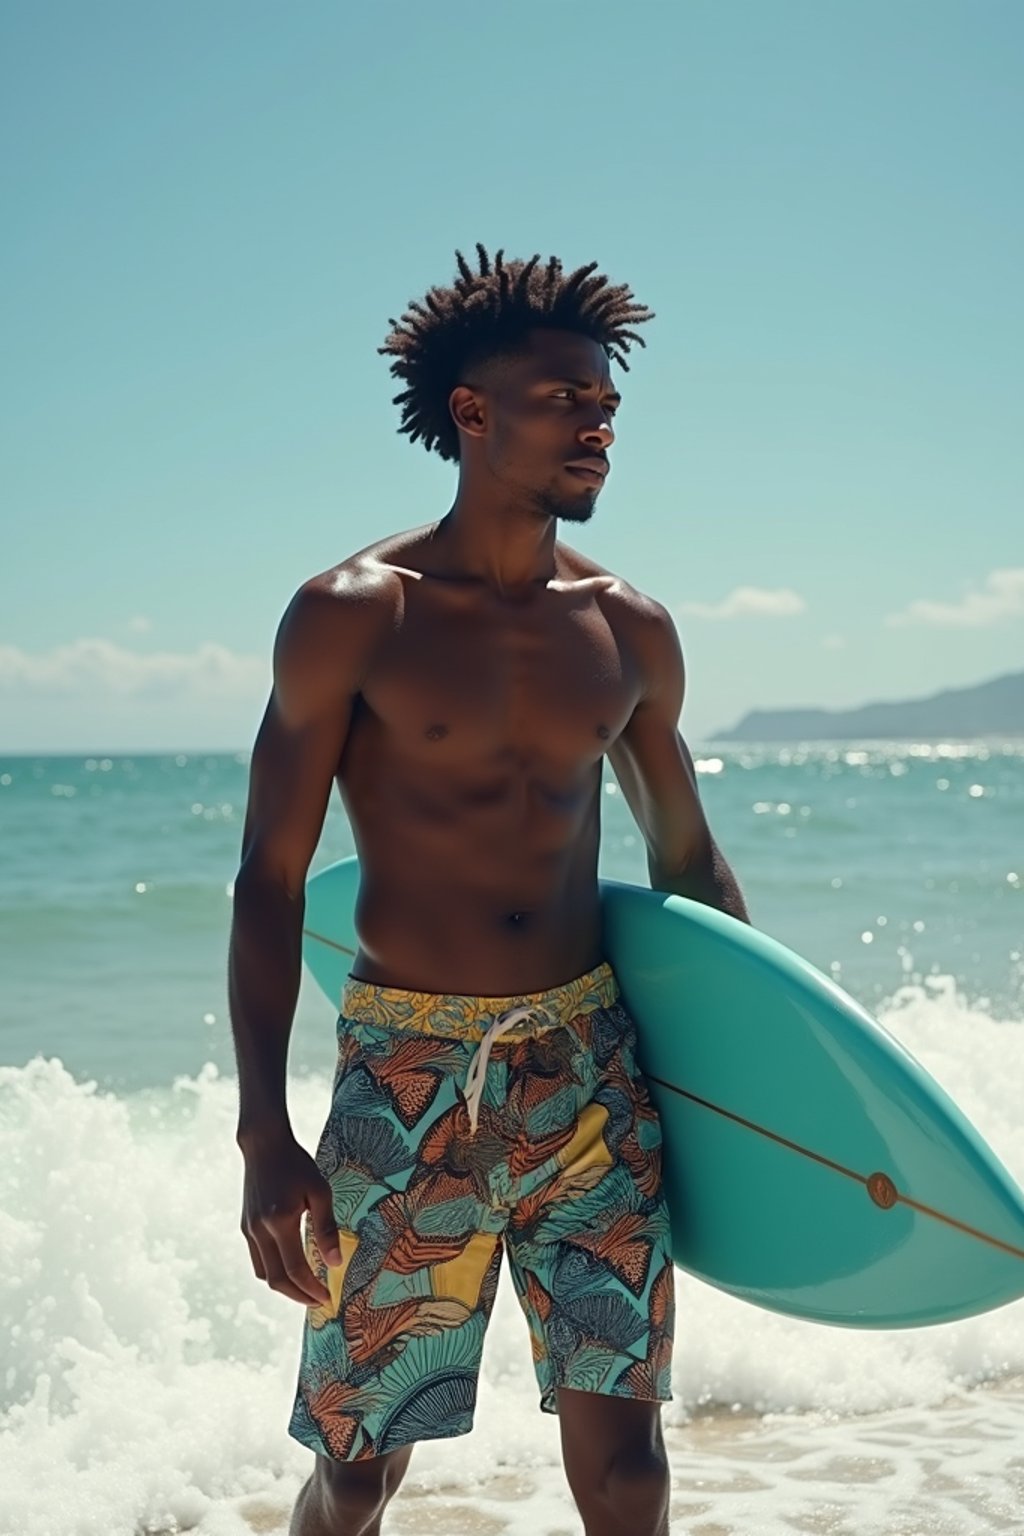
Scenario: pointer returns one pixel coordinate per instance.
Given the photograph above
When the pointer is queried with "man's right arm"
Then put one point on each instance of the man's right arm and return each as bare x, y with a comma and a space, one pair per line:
323, 650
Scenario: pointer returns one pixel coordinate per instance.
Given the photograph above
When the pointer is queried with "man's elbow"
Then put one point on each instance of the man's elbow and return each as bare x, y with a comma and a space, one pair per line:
703, 874
693, 859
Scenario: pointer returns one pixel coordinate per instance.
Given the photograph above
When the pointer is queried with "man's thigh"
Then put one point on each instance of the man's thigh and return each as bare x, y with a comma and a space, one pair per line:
394, 1357
589, 1241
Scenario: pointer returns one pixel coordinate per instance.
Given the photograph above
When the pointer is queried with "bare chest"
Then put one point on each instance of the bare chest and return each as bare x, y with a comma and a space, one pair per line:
545, 680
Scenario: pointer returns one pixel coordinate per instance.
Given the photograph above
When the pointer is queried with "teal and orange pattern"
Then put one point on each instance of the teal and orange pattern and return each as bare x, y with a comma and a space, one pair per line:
564, 1169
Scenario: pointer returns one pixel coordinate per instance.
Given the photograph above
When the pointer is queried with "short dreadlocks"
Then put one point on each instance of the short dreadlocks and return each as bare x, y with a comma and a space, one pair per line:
488, 314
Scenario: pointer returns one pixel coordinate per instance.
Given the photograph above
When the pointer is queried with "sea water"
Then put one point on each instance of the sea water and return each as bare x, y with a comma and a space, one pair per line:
146, 1375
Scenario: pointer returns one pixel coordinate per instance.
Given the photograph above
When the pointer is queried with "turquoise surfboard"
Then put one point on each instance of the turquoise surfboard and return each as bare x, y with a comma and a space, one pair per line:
811, 1165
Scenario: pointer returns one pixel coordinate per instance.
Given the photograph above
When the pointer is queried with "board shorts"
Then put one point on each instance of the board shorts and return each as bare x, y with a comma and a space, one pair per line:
459, 1125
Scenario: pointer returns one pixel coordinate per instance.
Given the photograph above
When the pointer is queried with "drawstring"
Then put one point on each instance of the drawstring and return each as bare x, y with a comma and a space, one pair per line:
478, 1066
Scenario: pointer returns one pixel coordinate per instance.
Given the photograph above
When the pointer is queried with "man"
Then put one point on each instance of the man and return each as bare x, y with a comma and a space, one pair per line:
462, 682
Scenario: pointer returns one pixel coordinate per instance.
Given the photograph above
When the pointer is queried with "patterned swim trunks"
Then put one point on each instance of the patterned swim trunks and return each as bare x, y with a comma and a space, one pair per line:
458, 1123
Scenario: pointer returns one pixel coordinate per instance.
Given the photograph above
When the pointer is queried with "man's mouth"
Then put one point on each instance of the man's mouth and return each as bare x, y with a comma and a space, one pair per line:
591, 476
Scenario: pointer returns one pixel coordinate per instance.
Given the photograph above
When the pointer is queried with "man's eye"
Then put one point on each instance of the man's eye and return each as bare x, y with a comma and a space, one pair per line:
611, 409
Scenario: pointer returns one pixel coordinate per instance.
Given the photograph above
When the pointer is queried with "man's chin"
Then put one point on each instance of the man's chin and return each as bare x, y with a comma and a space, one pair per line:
575, 509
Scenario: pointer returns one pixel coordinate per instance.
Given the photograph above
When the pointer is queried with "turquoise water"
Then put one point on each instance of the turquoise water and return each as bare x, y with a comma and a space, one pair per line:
882, 864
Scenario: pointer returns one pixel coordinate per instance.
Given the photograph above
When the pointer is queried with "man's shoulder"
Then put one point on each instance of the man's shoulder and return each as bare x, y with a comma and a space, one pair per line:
371, 577
352, 604
619, 596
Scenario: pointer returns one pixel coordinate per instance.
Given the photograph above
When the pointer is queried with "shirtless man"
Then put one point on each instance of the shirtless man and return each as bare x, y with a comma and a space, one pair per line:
462, 682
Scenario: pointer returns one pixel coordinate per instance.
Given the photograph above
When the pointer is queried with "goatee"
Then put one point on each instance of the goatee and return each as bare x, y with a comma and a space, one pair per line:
579, 510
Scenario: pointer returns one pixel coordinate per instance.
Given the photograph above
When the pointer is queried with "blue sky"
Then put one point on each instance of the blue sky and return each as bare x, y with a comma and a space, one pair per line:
213, 209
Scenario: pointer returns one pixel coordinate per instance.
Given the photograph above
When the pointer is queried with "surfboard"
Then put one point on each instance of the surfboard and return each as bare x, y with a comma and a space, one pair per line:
811, 1165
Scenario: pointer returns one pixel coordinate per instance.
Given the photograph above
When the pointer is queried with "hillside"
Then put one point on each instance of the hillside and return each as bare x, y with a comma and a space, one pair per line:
995, 708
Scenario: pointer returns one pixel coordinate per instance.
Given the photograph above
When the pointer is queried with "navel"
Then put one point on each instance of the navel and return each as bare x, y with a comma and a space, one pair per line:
436, 732
603, 732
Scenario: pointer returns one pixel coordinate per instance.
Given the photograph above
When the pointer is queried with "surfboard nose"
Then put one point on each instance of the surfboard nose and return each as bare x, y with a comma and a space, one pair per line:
811, 1164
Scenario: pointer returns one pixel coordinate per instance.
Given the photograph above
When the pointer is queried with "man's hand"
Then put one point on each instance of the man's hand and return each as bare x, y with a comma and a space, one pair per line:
282, 1181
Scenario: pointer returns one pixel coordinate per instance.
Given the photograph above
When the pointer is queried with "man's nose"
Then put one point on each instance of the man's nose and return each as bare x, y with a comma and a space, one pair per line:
598, 435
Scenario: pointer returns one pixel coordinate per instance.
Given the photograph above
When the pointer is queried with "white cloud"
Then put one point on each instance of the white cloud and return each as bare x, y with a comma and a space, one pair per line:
834, 643
1002, 598
140, 625
105, 668
750, 602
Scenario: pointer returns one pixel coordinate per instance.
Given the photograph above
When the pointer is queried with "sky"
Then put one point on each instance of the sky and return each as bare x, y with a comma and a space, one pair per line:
213, 208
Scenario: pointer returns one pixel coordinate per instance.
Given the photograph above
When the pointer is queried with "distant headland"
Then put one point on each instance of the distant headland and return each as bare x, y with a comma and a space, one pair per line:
995, 708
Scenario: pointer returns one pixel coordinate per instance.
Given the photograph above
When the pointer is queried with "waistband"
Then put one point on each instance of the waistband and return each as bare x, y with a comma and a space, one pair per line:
469, 1018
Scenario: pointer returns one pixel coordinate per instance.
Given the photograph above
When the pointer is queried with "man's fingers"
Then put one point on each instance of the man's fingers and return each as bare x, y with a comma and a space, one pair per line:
325, 1230
289, 1273
277, 1200
294, 1264
282, 1264
276, 1275
303, 1280
285, 1287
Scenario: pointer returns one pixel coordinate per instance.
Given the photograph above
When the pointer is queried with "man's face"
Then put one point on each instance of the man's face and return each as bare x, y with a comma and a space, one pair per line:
547, 409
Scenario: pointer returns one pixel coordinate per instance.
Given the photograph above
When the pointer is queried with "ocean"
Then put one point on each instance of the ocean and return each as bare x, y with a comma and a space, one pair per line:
146, 1376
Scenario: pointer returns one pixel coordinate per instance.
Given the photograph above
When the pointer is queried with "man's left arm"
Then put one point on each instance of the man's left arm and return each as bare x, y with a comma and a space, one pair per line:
656, 773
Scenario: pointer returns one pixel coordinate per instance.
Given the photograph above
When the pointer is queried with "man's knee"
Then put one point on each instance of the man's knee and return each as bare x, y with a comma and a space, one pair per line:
351, 1495
637, 1488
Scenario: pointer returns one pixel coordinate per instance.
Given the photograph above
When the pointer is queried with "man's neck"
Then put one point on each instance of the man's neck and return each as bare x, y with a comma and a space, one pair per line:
509, 549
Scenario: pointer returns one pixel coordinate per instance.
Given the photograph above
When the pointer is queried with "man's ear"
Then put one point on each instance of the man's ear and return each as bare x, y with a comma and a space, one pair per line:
468, 410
